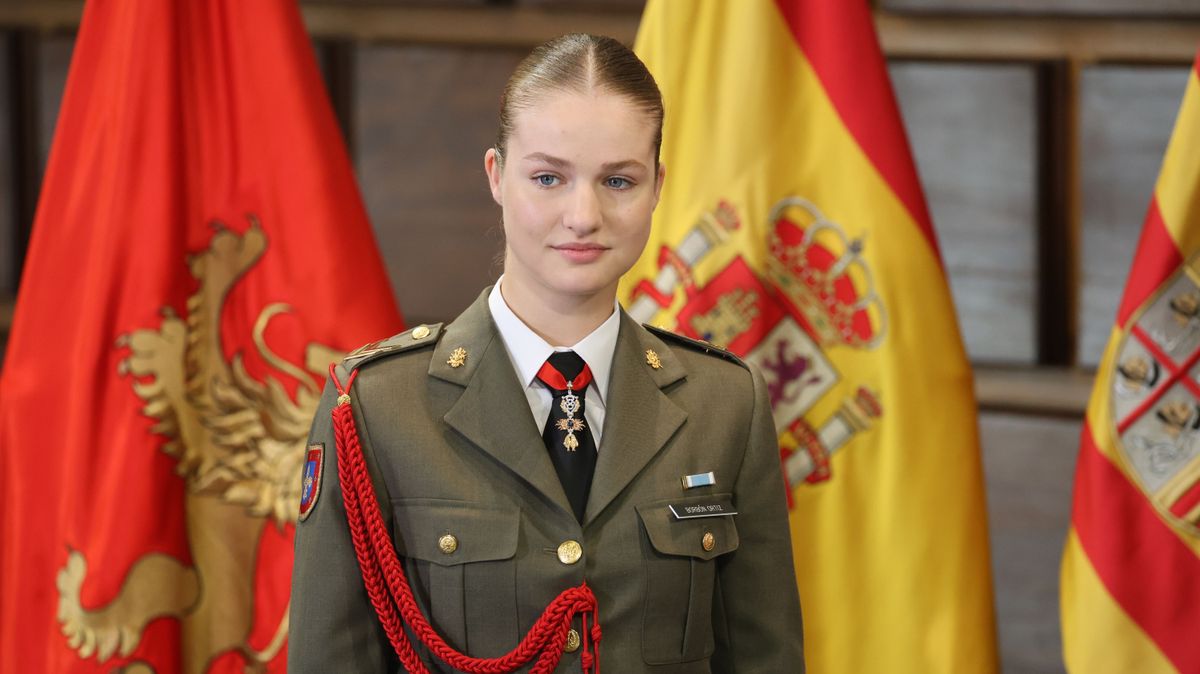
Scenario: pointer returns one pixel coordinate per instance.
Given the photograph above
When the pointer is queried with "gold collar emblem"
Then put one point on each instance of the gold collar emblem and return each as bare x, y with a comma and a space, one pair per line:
652, 359
457, 357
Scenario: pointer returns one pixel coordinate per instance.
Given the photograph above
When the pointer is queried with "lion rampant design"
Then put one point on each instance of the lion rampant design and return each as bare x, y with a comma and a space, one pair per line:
239, 445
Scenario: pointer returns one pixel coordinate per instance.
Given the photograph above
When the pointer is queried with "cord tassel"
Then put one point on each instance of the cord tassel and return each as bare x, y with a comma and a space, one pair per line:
391, 595
590, 657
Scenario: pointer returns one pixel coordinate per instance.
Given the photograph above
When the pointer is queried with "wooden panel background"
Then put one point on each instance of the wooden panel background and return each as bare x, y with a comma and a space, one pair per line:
53, 61
1127, 114
973, 132
425, 116
8, 232
1029, 463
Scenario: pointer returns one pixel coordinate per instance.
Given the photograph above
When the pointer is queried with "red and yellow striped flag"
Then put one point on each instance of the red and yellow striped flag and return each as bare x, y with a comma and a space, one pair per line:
793, 230
1131, 568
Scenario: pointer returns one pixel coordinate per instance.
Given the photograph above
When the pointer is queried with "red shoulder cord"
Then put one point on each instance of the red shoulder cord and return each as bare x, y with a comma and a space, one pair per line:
388, 588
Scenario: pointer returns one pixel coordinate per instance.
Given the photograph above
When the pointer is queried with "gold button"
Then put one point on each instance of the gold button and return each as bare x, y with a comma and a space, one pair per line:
709, 541
420, 332
448, 544
572, 641
570, 552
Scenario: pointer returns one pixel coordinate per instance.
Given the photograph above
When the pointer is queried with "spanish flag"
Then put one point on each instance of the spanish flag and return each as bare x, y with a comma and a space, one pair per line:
200, 255
1131, 569
793, 231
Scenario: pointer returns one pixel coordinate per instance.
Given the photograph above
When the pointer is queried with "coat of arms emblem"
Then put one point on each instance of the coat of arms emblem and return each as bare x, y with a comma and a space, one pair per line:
1155, 397
815, 293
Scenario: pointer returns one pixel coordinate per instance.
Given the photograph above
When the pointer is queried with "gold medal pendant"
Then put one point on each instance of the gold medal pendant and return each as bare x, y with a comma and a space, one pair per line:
569, 425
569, 406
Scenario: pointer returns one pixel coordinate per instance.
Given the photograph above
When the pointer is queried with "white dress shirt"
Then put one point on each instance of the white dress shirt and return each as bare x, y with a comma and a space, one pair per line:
528, 352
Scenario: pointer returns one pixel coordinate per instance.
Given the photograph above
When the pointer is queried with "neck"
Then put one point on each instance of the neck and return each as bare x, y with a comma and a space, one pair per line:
561, 321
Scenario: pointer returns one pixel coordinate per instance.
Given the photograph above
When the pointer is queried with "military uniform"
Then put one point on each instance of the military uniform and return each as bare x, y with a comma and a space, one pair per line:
488, 537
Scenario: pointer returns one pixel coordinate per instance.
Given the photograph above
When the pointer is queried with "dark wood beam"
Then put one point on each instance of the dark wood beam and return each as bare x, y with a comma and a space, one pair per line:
23, 139
1085, 39
1059, 209
1043, 391
1039, 38
7, 304
337, 57
487, 26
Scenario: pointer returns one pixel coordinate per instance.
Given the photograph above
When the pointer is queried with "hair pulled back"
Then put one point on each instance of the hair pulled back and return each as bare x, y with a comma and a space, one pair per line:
579, 62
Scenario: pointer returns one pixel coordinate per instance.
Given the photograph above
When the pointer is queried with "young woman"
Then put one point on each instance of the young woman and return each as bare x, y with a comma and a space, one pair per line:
543, 463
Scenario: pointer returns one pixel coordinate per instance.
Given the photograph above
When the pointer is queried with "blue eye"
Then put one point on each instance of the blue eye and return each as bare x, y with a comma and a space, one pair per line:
546, 180
618, 183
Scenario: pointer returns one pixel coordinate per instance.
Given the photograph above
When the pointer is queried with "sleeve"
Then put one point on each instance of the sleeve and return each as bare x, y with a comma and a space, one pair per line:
756, 618
332, 625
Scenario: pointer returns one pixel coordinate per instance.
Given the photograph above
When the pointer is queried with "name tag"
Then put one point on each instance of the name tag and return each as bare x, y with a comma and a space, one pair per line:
693, 510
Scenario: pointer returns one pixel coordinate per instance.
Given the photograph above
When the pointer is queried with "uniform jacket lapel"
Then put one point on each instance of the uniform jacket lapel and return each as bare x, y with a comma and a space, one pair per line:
492, 411
639, 417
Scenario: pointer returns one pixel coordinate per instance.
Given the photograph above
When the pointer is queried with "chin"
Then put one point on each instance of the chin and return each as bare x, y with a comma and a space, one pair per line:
582, 288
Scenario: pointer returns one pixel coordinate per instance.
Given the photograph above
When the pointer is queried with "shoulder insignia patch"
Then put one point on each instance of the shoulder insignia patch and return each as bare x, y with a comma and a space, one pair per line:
696, 344
421, 335
310, 486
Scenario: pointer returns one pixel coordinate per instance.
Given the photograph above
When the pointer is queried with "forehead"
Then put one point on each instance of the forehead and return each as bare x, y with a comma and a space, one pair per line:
596, 124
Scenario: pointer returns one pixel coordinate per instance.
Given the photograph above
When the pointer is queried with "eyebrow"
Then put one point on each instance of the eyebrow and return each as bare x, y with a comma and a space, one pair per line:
563, 163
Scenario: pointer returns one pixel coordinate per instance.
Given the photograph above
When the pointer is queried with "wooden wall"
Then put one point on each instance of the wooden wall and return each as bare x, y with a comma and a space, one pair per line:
1038, 128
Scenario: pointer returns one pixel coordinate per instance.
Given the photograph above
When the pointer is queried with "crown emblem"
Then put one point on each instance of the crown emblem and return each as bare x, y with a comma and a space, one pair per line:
821, 272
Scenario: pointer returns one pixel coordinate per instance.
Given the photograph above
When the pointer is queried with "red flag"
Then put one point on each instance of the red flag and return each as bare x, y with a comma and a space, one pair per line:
200, 254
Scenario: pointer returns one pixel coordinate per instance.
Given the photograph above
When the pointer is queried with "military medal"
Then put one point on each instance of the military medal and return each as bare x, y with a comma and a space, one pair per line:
569, 402
569, 406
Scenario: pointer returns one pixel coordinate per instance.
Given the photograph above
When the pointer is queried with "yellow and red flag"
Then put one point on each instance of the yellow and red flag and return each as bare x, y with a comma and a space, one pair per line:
793, 230
200, 255
1130, 590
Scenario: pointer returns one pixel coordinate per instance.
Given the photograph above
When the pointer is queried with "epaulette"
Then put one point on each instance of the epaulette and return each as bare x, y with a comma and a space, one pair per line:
421, 335
698, 344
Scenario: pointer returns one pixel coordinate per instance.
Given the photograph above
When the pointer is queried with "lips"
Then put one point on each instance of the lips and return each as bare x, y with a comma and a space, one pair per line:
580, 252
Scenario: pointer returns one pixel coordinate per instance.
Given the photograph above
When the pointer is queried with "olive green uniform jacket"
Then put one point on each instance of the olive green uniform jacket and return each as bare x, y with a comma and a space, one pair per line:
455, 450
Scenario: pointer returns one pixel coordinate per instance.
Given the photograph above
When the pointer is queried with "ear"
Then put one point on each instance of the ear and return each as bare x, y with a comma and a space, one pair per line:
491, 164
658, 181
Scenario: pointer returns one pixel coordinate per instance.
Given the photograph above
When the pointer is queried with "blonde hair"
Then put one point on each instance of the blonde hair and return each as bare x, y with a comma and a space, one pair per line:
580, 62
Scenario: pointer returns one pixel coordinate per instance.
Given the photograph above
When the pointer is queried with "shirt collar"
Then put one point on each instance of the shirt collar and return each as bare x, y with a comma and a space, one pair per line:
528, 351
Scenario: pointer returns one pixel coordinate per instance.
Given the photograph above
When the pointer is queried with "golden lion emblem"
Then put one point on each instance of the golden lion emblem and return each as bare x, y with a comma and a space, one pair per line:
239, 445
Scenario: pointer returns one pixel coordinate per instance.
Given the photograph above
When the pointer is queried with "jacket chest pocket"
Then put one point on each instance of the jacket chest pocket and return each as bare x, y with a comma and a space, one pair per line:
461, 561
684, 537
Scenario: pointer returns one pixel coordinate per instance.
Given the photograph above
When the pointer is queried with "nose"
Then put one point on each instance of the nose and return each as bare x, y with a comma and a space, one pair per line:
582, 215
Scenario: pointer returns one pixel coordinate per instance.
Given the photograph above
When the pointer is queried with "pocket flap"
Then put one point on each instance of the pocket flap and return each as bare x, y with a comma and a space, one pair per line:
699, 537
448, 533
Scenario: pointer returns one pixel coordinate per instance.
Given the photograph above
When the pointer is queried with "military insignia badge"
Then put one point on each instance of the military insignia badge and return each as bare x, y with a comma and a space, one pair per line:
310, 488
652, 359
1155, 397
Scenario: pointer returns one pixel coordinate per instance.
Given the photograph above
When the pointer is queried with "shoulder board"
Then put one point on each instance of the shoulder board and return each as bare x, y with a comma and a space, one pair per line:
696, 344
419, 336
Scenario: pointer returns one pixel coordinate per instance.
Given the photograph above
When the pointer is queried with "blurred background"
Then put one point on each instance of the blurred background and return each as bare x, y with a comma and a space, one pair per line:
1038, 127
